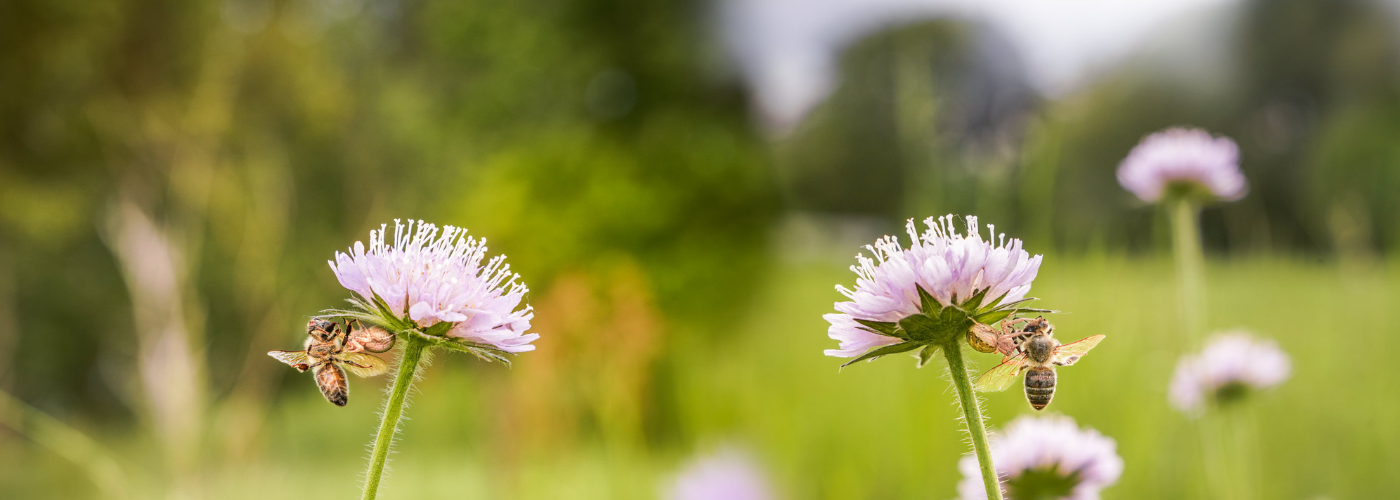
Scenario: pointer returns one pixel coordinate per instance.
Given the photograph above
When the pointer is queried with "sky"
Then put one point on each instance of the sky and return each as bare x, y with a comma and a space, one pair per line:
787, 51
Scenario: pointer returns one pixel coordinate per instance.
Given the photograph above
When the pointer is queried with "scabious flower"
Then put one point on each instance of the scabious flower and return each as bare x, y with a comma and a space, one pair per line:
951, 267
1046, 457
436, 277
1185, 160
1232, 364
726, 475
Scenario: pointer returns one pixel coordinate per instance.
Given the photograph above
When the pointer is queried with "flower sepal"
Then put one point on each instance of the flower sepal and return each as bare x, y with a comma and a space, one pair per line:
886, 328
437, 329
887, 350
1230, 394
940, 328
484, 352
926, 355
1189, 190
1043, 482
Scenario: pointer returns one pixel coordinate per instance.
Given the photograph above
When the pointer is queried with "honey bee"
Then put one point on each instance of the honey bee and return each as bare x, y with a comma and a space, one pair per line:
1037, 353
328, 348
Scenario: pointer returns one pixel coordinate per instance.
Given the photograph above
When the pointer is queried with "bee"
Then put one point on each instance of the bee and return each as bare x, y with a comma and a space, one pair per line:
1037, 353
986, 339
328, 348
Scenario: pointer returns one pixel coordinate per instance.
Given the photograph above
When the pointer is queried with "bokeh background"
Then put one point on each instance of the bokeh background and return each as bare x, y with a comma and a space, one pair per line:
681, 183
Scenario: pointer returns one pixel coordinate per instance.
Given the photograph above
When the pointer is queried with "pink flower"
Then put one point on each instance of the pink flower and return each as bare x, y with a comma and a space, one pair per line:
440, 278
727, 475
1053, 455
1232, 360
944, 263
1188, 158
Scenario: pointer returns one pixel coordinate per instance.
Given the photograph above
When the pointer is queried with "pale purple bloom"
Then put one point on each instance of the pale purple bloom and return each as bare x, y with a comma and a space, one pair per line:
1087, 461
726, 475
1231, 360
1180, 156
438, 277
941, 261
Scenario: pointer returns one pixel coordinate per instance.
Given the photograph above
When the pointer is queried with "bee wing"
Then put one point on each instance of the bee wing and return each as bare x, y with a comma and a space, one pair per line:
295, 358
364, 365
332, 381
1068, 354
372, 339
1003, 375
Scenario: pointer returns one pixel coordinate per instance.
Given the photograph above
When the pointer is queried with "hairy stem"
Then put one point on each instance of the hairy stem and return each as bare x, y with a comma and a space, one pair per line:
393, 409
972, 416
1190, 267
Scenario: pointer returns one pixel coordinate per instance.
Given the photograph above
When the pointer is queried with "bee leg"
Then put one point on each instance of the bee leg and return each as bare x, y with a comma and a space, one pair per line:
1020, 338
1006, 323
1020, 341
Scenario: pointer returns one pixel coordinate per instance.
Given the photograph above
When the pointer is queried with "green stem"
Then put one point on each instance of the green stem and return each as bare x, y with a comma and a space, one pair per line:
1217, 466
972, 416
393, 409
1243, 454
1190, 264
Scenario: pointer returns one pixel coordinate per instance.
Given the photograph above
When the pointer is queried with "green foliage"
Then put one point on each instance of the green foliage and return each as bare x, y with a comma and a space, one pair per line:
883, 429
266, 135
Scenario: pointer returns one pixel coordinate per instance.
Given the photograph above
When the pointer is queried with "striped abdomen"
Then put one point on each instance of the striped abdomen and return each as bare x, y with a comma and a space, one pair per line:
331, 379
1040, 386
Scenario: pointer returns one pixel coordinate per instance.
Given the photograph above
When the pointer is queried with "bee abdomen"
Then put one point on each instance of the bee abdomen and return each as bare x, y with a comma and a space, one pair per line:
1040, 387
331, 379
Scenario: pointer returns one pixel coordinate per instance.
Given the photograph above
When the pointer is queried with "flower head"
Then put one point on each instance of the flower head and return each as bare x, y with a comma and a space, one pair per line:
955, 270
435, 277
1183, 159
727, 475
1046, 457
1232, 364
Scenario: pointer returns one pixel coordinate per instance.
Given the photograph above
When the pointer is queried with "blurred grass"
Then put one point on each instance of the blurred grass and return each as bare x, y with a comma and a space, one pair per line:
877, 430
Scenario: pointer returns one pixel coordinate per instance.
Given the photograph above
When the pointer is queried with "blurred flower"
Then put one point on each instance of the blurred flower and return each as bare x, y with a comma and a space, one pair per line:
727, 475
1188, 161
950, 267
1046, 457
1231, 365
440, 279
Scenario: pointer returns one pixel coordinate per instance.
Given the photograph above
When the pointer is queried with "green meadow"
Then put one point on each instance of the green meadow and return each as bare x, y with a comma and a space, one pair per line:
876, 430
